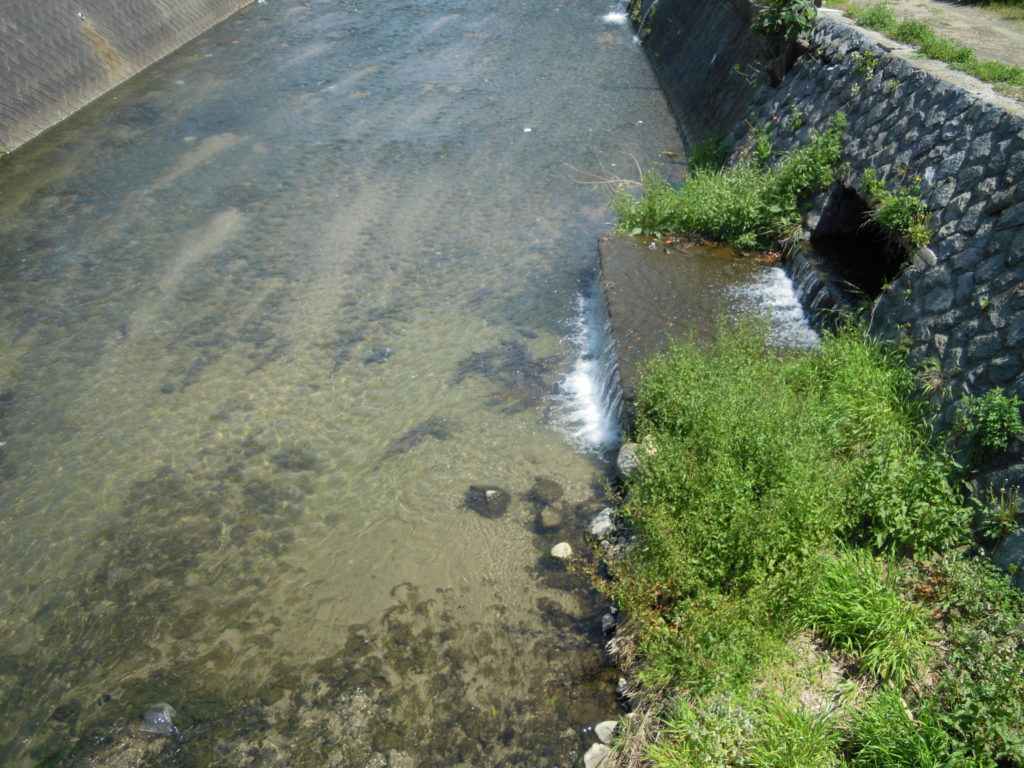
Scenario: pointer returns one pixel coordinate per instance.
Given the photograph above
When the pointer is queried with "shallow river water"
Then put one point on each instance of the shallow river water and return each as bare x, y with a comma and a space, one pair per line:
269, 310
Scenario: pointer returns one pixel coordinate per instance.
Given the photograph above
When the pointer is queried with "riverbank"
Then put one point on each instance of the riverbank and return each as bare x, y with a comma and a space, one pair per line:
808, 584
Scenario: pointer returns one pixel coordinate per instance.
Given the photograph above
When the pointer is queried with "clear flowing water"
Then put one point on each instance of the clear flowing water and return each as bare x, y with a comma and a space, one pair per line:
269, 311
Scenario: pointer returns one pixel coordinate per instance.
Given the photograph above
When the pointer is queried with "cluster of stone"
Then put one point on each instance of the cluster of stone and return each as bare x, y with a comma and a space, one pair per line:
959, 301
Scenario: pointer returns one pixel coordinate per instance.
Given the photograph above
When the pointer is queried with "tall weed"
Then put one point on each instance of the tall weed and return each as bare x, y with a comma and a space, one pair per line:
857, 608
745, 204
885, 735
759, 461
979, 694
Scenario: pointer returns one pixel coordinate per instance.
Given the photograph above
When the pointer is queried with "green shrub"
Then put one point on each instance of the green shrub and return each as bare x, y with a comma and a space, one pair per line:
902, 214
912, 31
759, 461
726, 728
992, 420
994, 72
746, 204
712, 730
921, 35
947, 50
879, 17
855, 607
781, 22
709, 154
979, 694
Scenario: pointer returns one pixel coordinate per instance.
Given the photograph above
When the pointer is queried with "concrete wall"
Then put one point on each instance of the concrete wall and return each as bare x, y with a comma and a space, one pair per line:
58, 55
703, 54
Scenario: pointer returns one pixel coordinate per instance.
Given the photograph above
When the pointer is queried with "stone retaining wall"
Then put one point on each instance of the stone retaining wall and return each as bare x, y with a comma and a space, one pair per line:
57, 55
960, 302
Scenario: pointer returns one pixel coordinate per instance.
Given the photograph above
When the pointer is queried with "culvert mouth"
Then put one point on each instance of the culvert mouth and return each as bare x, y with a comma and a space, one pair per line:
846, 261
862, 258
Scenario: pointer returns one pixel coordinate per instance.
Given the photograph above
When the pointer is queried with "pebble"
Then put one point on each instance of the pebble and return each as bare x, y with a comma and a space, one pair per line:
561, 551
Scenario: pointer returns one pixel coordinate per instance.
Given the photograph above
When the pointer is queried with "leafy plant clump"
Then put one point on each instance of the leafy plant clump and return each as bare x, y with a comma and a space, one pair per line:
709, 154
992, 420
857, 608
902, 213
748, 204
782, 22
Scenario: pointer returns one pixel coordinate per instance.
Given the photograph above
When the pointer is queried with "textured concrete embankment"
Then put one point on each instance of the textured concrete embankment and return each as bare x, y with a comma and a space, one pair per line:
56, 56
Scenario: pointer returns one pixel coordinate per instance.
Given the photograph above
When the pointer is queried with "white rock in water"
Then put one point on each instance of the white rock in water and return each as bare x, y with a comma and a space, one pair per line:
158, 719
561, 551
627, 461
605, 731
608, 623
597, 756
602, 526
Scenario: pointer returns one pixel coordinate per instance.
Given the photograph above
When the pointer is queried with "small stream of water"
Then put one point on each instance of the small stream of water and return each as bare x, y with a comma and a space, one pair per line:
269, 311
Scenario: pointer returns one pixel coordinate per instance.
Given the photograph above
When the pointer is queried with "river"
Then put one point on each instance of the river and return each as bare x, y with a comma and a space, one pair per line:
274, 313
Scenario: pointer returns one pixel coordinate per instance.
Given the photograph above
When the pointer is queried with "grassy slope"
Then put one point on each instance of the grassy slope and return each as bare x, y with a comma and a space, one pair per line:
793, 596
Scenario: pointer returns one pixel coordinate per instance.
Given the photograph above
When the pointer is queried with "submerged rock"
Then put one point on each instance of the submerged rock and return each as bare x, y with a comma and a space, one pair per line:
608, 623
487, 501
602, 527
598, 756
158, 719
561, 551
544, 492
378, 354
627, 460
550, 519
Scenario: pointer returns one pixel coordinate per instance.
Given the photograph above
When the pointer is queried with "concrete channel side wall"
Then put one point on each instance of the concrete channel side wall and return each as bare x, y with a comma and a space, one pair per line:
703, 53
959, 302
58, 55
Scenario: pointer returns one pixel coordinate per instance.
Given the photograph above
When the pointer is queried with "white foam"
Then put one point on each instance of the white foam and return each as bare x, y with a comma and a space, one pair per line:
617, 14
589, 397
772, 296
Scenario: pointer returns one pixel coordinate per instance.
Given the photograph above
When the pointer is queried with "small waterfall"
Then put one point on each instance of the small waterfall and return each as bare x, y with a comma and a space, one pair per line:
591, 393
816, 286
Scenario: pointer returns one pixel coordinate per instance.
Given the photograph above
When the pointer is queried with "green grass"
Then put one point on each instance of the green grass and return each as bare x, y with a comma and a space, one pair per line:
885, 735
781, 493
749, 204
761, 462
857, 608
932, 45
902, 214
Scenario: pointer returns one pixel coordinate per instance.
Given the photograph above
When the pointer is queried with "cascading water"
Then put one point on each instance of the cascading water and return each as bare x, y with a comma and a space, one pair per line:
618, 14
815, 287
590, 395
